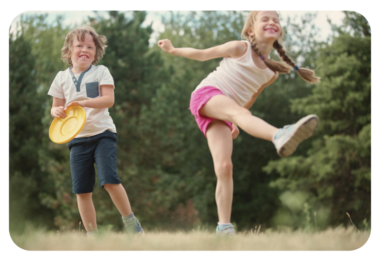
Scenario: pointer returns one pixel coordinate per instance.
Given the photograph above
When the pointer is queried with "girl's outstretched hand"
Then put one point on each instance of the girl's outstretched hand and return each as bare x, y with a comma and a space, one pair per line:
166, 45
235, 131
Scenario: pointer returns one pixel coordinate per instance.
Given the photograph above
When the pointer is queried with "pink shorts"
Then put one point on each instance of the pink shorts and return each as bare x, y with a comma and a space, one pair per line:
199, 98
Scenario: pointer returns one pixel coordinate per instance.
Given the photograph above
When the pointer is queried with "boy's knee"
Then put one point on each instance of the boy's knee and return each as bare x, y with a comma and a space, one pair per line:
110, 187
84, 195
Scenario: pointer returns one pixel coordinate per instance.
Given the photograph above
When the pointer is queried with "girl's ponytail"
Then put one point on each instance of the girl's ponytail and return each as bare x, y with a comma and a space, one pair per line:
306, 74
281, 67
272, 64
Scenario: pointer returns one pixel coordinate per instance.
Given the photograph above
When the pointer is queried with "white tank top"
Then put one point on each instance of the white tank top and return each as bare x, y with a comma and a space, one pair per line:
238, 78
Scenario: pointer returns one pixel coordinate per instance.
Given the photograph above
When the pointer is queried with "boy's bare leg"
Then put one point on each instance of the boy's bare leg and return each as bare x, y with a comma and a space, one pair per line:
121, 201
87, 211
119, 198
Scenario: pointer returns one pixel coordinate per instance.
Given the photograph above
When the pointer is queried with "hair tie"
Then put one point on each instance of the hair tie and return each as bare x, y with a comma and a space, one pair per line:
262, 57
296, 68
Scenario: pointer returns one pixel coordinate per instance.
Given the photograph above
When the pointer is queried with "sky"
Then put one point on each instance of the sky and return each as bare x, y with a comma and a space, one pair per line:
12, 10
72, 18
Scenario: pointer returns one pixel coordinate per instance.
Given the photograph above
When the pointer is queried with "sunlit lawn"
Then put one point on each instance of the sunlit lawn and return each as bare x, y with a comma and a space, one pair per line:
331, 239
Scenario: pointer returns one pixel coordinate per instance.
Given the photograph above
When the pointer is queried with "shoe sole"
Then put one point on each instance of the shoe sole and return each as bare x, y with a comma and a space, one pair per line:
303, 130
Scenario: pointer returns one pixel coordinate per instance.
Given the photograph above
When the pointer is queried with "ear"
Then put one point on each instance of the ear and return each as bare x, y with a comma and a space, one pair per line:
250, 32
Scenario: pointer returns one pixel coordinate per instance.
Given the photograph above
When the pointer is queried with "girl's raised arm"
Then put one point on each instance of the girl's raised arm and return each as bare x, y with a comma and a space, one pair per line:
233, 49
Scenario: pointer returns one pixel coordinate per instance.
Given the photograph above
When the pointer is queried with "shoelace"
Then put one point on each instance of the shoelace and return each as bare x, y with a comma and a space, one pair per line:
283, 131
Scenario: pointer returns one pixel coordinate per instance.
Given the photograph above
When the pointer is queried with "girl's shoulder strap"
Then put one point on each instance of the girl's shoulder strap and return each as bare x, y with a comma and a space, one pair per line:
248, 42
249, 49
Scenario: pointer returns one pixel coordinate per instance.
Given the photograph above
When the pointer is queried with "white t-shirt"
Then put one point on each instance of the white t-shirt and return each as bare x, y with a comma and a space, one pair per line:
238, 78
85, 86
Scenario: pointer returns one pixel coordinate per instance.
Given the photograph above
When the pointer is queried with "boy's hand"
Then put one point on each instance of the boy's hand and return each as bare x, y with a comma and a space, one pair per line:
235, 131
58, 112
79, 103
166, 45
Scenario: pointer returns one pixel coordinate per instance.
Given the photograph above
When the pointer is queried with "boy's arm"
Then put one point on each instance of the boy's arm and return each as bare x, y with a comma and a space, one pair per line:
253, 98
233, 49
57, 109
106, 100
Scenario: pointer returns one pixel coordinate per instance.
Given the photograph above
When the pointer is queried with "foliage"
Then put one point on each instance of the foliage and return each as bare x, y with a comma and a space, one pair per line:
25, 135
163, 159
335, 176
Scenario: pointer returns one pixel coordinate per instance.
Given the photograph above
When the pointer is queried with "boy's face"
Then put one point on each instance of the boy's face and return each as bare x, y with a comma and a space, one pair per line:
83, 52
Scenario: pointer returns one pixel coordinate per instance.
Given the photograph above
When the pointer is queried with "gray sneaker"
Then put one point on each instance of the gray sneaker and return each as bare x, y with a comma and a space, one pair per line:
227, 229
287, 139
133, 226
93, 233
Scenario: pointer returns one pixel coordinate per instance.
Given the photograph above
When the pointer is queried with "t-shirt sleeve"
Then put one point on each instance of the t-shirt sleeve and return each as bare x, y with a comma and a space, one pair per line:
106, 78
56, 89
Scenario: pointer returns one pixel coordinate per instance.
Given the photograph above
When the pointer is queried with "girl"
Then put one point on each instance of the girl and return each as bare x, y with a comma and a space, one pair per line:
221, 101
91, 87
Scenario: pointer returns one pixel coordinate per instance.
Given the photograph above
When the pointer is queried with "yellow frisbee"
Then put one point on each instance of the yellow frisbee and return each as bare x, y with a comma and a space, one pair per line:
63, 130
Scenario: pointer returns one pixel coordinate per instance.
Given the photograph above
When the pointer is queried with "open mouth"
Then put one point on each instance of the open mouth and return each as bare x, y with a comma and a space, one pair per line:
271, 30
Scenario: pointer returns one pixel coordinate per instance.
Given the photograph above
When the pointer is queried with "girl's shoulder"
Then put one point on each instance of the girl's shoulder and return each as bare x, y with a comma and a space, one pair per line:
236, 48
247, 45
243, 46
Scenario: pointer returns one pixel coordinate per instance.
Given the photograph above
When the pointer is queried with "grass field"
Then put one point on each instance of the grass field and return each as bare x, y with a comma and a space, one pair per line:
331, 239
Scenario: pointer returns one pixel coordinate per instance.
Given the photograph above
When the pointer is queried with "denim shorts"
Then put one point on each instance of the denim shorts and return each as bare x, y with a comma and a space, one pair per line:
84, 153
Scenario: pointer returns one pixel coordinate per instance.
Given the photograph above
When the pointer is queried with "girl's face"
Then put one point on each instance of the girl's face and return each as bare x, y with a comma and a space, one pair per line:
266, 26
83, 52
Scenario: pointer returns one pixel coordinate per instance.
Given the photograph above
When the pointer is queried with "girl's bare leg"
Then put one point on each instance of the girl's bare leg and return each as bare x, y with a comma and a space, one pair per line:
87, 211
220, 143
224, 108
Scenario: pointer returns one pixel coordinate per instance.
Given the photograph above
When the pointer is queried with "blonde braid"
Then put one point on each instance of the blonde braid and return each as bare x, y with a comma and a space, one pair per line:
306, 74
272, 64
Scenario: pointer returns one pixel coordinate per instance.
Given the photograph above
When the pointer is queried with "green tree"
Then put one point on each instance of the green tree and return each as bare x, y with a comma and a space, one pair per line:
335, 176
46, 42
182, 151
163, 159
25, 134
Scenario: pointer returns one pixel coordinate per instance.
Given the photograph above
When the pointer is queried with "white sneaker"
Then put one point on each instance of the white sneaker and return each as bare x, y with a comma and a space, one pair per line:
287, 139
133, 226
227, 229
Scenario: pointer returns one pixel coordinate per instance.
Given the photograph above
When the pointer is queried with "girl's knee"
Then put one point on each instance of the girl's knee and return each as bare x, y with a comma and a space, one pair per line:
241, 111
245, 111
224, 169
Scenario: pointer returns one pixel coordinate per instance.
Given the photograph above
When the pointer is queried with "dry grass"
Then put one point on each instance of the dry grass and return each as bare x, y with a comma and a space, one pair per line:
332, 239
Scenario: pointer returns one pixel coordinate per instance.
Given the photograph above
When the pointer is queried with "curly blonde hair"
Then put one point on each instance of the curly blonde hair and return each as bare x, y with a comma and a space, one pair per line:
99, 40
281, 67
